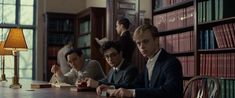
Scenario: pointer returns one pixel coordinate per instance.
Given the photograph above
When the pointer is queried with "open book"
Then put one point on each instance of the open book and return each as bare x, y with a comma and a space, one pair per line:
107, 92
62, 85
40, 85
57, 83
85, 89
101, 41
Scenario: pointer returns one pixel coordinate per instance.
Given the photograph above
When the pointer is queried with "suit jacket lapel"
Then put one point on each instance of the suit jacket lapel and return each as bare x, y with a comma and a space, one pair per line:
119, 74
110, 76
146, 79
155, 74
157, 67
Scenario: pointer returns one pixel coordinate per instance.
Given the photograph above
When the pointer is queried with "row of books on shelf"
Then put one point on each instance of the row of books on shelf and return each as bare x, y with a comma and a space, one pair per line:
158, 4
175, 19
225, 35
209, 10
218, 65
85, 27
86, 53
57, 39
188, 67
180, 42
227, 88
65, 25
84, 41
52, 51
207, 39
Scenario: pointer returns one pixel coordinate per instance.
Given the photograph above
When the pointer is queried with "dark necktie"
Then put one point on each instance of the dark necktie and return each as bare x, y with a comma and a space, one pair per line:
114, 76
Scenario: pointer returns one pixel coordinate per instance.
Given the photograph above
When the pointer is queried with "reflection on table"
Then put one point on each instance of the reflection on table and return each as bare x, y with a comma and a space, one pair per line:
27, 92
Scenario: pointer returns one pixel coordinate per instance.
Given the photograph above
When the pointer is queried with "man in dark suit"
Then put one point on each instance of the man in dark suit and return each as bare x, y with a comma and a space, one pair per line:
162, 76
121, 73
125, 40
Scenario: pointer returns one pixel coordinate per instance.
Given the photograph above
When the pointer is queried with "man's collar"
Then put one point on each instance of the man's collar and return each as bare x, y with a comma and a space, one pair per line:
123, 32
118, 67
156, 55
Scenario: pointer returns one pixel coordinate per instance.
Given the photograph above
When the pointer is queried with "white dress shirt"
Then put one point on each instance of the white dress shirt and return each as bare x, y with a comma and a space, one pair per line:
150, 64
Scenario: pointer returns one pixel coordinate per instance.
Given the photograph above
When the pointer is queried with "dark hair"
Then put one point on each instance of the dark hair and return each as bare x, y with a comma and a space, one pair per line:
111, 44
69, 39
125, 22
78, 51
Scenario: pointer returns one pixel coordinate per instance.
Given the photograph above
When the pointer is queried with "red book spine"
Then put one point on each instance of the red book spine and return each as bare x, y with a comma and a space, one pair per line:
190, 15
162, 42
214, 65
202, 64
224, 36
233, 64
175, 42
191, 41
209, 68
180, 14
220, 65
180, 42
187, 41
228, 61
228, 35
217, 37
232, 31
191, 65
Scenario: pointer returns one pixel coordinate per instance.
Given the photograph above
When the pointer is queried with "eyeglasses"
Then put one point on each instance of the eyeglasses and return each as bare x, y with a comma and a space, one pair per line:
111, 55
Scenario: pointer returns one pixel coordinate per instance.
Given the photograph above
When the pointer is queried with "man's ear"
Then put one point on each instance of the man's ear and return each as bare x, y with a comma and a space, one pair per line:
122, 26
156, 40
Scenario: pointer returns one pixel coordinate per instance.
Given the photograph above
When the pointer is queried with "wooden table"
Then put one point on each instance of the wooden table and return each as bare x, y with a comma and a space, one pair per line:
27, 92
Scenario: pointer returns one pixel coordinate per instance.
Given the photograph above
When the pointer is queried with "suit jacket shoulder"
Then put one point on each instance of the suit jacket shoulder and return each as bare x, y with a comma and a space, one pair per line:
94, 70
124, 76
166, 80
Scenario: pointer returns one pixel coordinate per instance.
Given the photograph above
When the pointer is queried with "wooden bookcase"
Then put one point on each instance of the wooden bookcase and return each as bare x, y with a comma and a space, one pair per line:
58, 27
92, 24
201, 33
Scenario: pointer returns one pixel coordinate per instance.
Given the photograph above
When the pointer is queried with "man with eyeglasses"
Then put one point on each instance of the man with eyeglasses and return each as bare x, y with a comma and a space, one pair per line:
162, 74
121, 73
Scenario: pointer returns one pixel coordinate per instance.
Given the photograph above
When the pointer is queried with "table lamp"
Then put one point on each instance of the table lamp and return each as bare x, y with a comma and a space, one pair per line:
3, 52
16, 42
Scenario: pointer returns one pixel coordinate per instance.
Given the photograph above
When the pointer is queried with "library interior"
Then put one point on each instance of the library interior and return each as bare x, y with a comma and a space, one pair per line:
40, 41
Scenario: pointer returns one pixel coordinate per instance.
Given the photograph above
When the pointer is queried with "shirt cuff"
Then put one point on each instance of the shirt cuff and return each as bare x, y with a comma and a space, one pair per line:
112, 87
133, 92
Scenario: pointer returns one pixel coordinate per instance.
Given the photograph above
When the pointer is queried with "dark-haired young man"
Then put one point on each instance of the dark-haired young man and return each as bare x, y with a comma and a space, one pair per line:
162, 75
79, 68
121, 73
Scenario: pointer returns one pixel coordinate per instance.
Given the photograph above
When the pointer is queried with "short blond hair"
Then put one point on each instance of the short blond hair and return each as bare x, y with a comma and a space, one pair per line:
139, 31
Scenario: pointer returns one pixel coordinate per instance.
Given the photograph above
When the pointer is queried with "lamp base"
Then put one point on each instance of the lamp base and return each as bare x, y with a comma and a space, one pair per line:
3, 77
16, 84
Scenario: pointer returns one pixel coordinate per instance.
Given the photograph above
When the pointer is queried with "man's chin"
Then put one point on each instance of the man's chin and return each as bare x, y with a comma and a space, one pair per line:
144, 55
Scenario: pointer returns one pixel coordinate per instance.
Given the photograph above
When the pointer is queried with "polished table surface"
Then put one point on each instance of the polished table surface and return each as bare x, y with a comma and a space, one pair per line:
27, 92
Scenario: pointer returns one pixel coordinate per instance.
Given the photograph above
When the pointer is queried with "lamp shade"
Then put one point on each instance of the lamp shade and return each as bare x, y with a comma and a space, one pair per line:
4, 51
15, 40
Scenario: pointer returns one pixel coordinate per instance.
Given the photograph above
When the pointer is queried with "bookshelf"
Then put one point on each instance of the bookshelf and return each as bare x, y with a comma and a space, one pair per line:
58, 26
201, 33
92, 24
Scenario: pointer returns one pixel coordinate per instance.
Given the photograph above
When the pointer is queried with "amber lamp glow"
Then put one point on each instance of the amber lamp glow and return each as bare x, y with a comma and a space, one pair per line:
16, 42
3, 52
